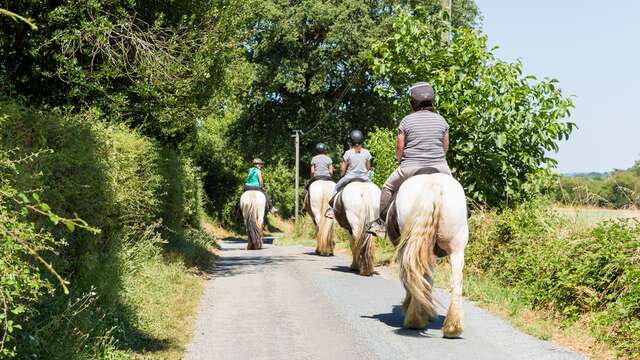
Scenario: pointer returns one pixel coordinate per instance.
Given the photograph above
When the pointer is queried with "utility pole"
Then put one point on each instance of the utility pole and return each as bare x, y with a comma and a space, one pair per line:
296, 135
446, 6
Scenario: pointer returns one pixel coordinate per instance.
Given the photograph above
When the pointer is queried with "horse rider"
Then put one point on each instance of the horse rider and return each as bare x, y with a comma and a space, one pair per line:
321, 167
321, 164
256, 182
355, 164
422, 142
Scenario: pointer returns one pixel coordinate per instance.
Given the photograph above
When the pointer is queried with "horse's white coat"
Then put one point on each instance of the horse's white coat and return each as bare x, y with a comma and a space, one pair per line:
253, 205
426, 203
319, 194
361, 201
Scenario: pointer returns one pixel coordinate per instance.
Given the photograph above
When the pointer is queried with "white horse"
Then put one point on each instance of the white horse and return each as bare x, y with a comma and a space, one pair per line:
253, 204
317, 203
356, 206
431, 215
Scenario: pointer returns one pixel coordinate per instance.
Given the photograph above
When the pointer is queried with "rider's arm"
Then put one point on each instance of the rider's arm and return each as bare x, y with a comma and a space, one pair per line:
399, 145
445, 142
343, 167
261, 181
331, 169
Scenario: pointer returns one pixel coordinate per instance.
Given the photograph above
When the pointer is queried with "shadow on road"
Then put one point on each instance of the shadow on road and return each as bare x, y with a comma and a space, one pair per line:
395, 319
342, 268
253, 263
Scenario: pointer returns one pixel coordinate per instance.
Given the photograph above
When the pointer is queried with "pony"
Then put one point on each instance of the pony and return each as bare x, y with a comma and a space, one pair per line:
316, 204
356, 206
430, 212
252, 204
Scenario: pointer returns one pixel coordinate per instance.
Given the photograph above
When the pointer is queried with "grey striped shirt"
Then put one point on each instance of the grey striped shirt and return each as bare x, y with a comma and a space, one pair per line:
322, 163
424, 138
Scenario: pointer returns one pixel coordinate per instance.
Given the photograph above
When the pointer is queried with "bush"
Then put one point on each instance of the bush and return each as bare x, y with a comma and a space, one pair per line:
138, 193
578, 271
279, 179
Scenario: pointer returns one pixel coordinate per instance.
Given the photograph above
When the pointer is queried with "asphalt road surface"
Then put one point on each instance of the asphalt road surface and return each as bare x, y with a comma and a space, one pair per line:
288, 303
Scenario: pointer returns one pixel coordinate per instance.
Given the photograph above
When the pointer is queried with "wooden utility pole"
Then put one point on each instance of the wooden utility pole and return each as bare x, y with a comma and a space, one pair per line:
296, 135
446, 6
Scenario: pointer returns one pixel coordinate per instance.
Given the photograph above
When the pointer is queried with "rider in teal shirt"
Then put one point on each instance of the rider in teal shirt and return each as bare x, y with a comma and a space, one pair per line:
253, 180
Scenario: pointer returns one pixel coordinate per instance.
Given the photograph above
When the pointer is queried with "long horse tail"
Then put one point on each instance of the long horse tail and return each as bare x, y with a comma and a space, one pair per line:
325, 228
254, 228
365, 241
415, 254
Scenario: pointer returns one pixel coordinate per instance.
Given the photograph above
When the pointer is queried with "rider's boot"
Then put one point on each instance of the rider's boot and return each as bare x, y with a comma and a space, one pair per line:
377, 228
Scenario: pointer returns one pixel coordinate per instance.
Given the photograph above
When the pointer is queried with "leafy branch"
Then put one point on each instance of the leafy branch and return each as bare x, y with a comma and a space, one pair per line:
17, 17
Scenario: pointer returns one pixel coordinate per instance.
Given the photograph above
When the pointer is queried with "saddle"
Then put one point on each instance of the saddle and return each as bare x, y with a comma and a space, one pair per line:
393, 229
316, 178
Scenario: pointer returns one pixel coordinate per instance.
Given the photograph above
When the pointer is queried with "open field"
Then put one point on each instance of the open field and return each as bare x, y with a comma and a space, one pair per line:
592, 216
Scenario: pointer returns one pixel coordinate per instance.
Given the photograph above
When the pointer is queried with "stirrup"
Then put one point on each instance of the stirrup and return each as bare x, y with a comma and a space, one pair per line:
376, 228
329, 214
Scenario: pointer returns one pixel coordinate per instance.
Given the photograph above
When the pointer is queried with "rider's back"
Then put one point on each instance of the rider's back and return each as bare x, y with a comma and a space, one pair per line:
424, 139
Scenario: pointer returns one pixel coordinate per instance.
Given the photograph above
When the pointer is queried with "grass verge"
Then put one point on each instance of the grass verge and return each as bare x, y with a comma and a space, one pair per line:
164, 294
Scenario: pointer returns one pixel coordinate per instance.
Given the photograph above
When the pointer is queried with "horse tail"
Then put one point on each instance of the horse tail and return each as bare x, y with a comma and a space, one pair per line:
325, 228
254, 228
415, 254
365, 241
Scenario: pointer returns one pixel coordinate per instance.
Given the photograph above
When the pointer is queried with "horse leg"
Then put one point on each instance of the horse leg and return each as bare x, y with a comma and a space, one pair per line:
453, 324
355, 253
367, 253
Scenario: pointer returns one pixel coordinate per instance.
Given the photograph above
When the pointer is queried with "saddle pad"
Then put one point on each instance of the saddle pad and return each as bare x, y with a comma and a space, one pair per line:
340, 214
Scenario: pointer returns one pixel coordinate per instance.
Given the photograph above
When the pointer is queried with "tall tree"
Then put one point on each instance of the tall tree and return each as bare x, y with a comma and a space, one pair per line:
311, 73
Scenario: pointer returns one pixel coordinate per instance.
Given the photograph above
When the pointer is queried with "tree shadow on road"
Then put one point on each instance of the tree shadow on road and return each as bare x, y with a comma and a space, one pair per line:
395, 319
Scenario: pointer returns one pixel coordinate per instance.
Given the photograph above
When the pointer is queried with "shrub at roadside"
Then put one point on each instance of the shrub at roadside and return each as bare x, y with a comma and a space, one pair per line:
581, 272
140, 195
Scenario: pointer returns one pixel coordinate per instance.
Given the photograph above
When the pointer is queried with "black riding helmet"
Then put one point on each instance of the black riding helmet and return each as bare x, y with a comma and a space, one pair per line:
356, 137
321, 148
421, 95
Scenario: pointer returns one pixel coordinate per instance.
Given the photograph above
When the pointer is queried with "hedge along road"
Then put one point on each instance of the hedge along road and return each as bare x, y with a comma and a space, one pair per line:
288, 303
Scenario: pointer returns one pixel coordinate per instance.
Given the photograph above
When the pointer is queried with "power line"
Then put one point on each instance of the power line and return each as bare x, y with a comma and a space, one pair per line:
336, 104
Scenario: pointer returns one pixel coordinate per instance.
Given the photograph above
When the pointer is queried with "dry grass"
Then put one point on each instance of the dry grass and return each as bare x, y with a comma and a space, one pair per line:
589, 216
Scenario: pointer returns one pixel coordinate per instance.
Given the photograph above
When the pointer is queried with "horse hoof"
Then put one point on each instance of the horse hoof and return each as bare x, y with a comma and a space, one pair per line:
451, 329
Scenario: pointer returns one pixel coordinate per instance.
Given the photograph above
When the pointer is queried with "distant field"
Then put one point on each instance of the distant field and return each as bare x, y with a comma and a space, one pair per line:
592, 216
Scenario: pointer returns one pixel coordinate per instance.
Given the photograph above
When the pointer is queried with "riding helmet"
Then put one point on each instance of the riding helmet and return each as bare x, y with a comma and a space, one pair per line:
421, 94
321, 148
257, 161
356, 137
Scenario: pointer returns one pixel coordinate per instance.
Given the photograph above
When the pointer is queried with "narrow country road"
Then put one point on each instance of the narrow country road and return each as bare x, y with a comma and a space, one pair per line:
287, 303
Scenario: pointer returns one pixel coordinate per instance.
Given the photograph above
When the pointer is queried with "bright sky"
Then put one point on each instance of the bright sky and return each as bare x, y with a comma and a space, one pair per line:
593, 48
